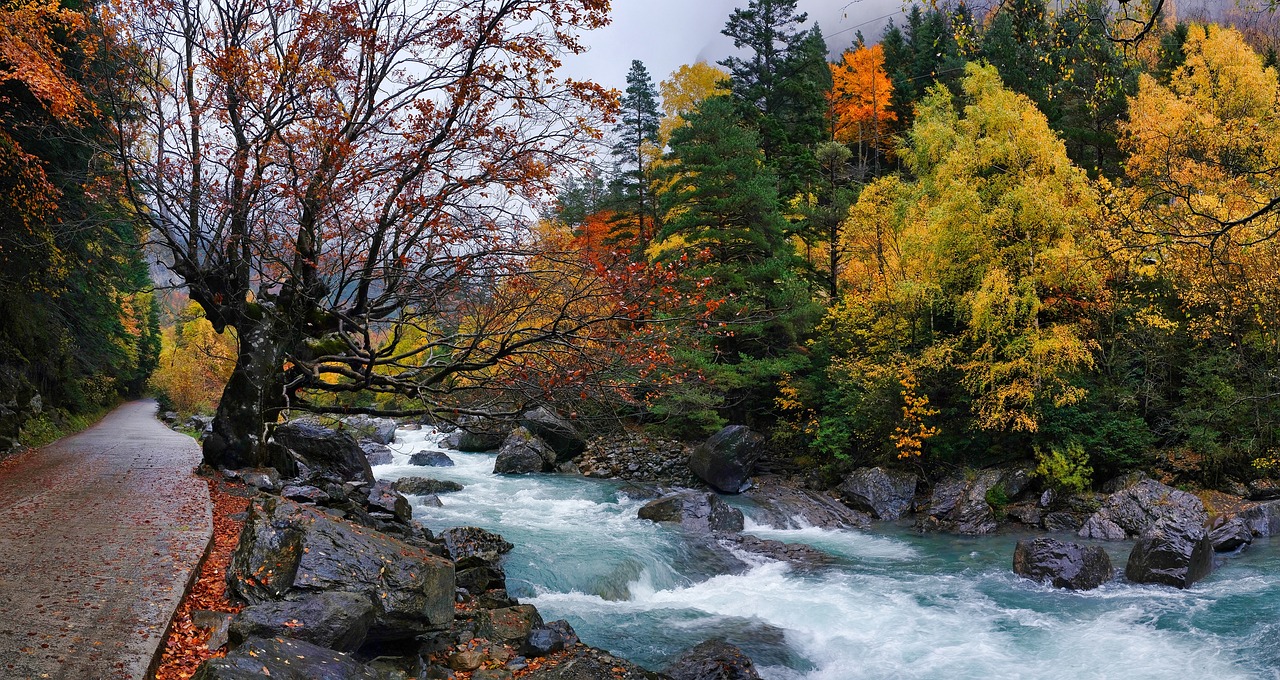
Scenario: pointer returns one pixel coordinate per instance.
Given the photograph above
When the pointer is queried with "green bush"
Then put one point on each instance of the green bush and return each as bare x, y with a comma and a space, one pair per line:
1067, 471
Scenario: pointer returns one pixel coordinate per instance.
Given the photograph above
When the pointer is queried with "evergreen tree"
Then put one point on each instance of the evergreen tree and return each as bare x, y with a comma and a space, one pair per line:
727, 227
920, 54
637, 140
1017, 42
780, 85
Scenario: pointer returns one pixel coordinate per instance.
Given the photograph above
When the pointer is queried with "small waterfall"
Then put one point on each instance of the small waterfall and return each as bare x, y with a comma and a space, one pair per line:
894, 605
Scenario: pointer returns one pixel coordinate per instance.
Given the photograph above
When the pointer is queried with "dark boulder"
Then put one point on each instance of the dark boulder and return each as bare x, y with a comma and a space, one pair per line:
1230, 535
304, 494
541, 642
384, 498
694, 510
886, 494
1171, 553
333, 619
262, 479
1136, 509
431, 459
1063, 521
322, 451
782, 506
1064, 565
522, 453
1263, 519
797, 554
565, 630
475, 435
1263, 490
286, 550
464, 542
480, 578
284, 659
509, 625
423, 486
728, 458
713, 660
377, 454
558, 433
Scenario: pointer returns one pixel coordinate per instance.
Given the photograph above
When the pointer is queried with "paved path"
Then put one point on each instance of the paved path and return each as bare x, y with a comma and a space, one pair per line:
99, 536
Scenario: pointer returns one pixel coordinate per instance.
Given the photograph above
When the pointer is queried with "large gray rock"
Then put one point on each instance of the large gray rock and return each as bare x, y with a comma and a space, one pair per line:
1064, 565
1135, 510
509, 625
522, 453
960, 503
728, 458
380, 430
287, 550
322, 451
423, 486
1263, 519
696, 511
284, 659
1172, 553
713, 660
383, 497
376, 454
1230, 535
886, 494
558, 433
781, 506
334, 619
431, 459
465, 542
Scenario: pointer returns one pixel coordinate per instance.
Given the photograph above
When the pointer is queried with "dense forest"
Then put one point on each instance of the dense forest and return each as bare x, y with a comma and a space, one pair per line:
79, 323
1019, 234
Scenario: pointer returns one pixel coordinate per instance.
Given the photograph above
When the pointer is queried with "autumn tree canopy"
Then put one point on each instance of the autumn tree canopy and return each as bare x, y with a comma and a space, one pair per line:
331, 178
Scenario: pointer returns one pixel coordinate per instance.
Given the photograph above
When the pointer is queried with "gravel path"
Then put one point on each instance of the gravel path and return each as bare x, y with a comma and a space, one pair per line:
100, 535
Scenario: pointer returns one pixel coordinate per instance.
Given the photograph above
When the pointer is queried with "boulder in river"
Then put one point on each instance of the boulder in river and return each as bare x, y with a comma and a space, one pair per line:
509, 625
782, 506
1064, 565
1263, 519
334, 619
962, 503
476, 435
558, 433
287, 549
431, 459
376, 454
713, 660
728, 458
1231, 535
886, 494
1136, 509
1172, 553
524, 452
383, 497
592, 664
423, 486
284, 658
324, 452
694, 510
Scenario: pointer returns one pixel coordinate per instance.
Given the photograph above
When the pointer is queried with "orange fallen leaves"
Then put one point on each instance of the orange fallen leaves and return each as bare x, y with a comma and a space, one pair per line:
185, 646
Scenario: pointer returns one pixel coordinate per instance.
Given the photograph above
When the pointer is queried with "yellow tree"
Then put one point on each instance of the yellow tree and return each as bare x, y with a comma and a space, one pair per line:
1204, 166
860, 98
685, 90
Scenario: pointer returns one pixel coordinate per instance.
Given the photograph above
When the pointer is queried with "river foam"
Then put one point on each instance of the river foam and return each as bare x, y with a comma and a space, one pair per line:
895, 604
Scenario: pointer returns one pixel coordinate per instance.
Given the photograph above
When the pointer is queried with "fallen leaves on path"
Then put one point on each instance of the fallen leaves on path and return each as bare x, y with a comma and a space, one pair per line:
185, 646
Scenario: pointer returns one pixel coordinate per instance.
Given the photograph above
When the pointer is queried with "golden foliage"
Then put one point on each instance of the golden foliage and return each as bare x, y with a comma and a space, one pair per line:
860, 96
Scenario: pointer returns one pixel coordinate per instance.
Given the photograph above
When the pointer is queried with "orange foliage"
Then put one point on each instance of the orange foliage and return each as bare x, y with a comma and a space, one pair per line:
860, 97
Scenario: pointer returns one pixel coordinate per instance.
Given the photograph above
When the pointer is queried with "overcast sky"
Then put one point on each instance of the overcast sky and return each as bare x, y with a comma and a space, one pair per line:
665, 34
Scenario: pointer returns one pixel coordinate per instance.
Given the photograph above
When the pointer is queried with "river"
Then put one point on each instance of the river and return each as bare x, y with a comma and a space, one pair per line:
896, 603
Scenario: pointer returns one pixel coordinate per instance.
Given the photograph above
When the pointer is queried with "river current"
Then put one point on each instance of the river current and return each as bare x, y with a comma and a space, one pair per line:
895, 604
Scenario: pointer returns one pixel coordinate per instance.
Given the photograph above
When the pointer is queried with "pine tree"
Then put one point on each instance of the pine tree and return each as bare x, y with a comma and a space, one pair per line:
780, 85
637, 142
727, 227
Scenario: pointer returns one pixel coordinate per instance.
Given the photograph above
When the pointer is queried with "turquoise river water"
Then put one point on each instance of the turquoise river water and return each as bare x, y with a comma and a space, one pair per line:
896, 603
